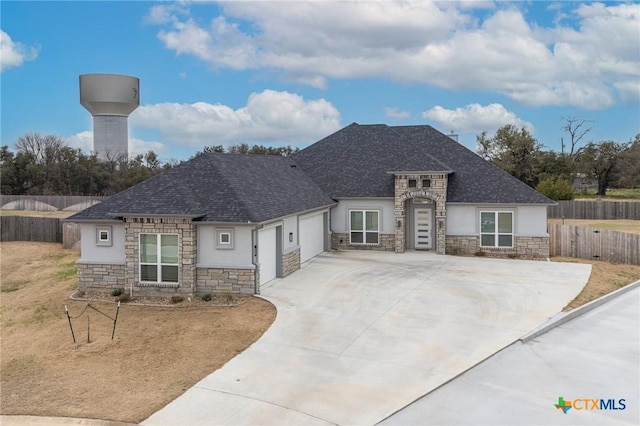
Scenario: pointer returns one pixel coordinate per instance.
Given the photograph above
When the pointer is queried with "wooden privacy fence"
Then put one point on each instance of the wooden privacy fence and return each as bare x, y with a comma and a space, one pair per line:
44, 229
24, 228
594, 209
48, 202
594, 244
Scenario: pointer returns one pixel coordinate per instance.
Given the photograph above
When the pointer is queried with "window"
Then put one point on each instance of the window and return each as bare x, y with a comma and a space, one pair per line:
159, 258
496, 229
412, 183
426, 183
224, 239
363, 226
103, 236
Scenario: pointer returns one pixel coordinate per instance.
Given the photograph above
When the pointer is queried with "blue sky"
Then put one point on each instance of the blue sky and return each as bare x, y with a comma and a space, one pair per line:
290, 73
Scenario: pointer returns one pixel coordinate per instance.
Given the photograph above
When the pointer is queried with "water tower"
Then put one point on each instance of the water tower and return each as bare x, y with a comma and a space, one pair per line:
110, 98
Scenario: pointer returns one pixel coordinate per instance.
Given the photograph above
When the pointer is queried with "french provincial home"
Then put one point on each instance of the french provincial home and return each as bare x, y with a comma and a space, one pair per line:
231, 223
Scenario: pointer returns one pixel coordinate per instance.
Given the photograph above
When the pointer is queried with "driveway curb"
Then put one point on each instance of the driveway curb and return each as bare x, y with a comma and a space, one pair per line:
563, 317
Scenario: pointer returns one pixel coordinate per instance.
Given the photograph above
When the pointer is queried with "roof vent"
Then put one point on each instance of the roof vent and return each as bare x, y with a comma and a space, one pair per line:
453, 136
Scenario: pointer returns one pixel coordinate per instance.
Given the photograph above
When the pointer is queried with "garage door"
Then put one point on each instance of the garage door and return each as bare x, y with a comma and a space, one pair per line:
311, 237
267, 254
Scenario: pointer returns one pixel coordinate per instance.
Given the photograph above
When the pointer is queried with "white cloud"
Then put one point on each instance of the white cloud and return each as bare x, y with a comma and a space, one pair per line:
13, 54
84, 141
475, 118
447, 44
396, 113
268, 117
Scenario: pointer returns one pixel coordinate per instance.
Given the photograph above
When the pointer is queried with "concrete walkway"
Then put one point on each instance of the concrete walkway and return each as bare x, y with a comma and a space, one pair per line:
593, 356
359, 335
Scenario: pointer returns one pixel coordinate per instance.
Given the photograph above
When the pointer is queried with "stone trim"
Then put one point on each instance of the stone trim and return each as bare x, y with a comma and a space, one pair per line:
290, 261
103, 276
386, 242
524, 247
437, 191
225, 280
187, 250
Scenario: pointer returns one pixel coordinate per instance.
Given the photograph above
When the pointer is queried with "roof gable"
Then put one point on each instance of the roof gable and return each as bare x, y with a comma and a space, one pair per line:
218, 187
356, 161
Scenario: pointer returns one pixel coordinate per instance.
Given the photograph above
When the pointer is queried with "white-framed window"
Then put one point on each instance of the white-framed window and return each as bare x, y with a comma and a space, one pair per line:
159, 258
364, 226
496, 229
224, 238
103, 236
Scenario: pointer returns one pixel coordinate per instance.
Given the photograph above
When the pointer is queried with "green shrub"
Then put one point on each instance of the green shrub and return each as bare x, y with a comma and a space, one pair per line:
556, 188
206, 297
177, 299
124, 298
480, 253
116, 292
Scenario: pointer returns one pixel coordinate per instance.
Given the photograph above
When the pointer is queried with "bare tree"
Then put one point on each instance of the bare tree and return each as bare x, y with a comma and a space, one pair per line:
576, 127
43, 148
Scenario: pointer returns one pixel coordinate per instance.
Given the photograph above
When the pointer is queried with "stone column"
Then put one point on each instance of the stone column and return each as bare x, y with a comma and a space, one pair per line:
401, 186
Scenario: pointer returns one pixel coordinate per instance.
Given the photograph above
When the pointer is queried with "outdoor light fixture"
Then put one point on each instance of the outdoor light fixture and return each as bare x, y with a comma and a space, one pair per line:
290, 237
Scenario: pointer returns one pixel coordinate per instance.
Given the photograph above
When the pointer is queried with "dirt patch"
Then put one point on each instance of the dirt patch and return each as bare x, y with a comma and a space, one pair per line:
605, 278
157, 352
622, 225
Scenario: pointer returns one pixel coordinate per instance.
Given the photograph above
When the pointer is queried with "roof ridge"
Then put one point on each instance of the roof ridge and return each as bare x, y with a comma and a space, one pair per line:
238, 196
417, 145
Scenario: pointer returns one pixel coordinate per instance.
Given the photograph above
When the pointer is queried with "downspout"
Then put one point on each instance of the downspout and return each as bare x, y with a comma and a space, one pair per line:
254, 260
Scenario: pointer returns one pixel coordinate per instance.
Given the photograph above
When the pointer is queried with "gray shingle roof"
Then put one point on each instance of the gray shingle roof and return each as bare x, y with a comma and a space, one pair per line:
220, 188
355, 161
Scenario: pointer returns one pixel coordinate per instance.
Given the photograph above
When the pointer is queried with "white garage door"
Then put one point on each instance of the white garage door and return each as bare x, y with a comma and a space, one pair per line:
311, 237
267, 254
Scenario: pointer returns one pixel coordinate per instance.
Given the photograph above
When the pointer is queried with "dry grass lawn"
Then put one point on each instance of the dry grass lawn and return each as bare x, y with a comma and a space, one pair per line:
156, 355
622, 225
605, 278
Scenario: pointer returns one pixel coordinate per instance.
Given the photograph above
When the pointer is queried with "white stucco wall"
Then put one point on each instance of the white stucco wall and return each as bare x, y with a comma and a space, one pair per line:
91, 252
289, 225
211, 257
529, 220
340, 213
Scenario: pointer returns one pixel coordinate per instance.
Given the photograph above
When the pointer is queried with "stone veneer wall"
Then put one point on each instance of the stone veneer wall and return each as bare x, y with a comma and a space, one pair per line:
290, 261
225, 280
437, 192
525, 247
186, 231
103, 276
386, 242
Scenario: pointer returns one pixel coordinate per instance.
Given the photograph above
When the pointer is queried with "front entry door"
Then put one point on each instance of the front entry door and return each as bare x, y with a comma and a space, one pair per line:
422, 229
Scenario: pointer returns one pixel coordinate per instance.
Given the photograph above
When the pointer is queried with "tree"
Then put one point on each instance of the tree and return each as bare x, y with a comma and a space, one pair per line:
550, 164
599, 162
511, 149
577, 131
629, 165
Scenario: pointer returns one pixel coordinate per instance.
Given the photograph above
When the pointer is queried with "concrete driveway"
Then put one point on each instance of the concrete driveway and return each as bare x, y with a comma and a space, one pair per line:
360, 335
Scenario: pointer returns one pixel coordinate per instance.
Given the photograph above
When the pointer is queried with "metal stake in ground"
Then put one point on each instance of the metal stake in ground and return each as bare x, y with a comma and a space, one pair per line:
70, 326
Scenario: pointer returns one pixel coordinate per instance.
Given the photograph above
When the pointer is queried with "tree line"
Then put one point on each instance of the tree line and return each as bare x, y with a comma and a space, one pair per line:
45, 165
605, 164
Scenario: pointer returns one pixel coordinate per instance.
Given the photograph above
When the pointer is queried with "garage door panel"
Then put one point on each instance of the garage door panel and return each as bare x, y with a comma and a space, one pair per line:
267, 254
311, 237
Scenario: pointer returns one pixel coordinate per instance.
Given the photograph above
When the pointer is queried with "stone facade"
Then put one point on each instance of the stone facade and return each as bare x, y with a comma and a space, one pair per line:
103, 276
186, 231
436, 191
290, 261
225, 280
524, 248
340, 241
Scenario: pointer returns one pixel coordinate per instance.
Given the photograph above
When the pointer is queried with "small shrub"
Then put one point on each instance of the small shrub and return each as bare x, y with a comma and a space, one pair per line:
556, 188
480, 253
455, 250
206, 297
80, 293
124, 298
116, 292
177, 299
228, 297
513, 255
